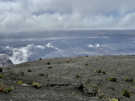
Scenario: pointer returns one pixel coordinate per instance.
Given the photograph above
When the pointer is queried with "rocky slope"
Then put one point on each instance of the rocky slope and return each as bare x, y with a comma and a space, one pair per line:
98, 78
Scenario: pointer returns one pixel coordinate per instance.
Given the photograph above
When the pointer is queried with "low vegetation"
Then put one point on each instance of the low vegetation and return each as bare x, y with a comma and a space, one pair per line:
112, 79
1, 76
5, 89
126, 93
114, 99
129, 80
36, 85
90, 83
100, 71
8, 89
78, 76
20, 82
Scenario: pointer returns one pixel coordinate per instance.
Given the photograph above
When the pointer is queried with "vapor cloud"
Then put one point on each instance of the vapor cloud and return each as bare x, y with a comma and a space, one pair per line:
40, 15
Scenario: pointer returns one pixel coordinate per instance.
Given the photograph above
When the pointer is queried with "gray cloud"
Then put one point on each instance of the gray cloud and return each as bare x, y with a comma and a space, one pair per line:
39, 15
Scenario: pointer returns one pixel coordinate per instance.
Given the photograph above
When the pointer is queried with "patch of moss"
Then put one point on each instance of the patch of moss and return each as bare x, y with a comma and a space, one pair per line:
103, 72
129, 80
36, 85
101, 96
114, 99
8, 89
78, 76
5, 89
100, 71
20, 82
112, 79
68, 61
126, 93
1, 76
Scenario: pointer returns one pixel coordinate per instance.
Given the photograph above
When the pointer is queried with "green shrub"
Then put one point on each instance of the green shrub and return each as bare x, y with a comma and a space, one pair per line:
78, 76
20, 82
8, 89
112, 79
103, 72
114, 99
36, 85
129, 79
100, 71
86, 64
1, 76
5, 89
126, 93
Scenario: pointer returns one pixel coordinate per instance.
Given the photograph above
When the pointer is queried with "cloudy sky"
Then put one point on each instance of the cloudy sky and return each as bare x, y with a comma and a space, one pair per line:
40, 15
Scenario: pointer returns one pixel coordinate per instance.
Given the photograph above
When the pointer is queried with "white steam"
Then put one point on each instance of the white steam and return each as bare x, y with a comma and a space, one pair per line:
32, 52
94, 45
22, 54
29, 52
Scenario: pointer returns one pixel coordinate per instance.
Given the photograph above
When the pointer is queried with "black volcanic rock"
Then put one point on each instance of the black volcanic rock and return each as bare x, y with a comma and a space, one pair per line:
4, 60
70, 79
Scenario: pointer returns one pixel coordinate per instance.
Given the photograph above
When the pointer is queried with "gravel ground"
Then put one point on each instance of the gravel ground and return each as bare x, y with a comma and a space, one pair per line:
87, 78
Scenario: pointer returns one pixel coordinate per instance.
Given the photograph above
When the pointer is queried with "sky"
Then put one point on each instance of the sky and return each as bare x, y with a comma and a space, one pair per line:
40, 15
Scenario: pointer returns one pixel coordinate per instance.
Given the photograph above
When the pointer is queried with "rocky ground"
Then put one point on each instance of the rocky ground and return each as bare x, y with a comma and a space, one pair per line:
93, 78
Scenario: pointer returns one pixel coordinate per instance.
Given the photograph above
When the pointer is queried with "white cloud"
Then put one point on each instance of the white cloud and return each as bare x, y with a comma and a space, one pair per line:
39, 15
